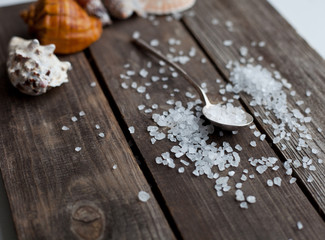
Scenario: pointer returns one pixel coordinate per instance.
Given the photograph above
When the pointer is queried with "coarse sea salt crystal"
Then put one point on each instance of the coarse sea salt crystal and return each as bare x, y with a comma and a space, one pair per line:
292, 180
143, 73
102, 135
154, 42
135, 35
143, 196
214, 21
131, 129
77, 149
124, 85
269, 182
231, 173
243, 51
277, 181
239, 185
251, 199
203, 60
65, 128
93, 84
82, 113
253, 143
114, 166
97, 126
141, 89
181, 169
239, 195
141, 107
227, 43
243, 205
74, 119
299, 225
238, 147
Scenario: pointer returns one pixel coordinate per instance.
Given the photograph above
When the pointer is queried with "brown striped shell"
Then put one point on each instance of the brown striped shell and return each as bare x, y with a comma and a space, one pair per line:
63, 23
96, 8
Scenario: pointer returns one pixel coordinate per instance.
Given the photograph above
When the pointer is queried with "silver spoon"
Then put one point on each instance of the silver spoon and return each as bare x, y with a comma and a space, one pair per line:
203, 96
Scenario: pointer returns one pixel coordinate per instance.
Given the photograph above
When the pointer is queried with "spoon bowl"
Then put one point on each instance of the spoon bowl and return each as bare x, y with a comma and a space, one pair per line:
208, 106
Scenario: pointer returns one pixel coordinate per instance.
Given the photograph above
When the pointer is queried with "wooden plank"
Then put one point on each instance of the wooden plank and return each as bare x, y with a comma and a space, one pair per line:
192, 201
54, 191
293, 58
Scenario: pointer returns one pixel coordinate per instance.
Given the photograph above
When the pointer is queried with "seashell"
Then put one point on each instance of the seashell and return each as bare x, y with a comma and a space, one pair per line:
161, 7
123, 9
96, 8
63, 23
33, 68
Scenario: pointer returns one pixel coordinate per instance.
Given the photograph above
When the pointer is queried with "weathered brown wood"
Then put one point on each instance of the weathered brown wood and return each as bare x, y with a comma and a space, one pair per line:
54, 191
293, 58
198, 212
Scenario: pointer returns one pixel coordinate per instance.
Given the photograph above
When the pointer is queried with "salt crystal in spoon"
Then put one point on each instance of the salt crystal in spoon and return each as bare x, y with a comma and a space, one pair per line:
226, 116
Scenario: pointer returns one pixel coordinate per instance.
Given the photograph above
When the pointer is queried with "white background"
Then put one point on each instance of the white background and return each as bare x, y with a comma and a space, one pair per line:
306, 16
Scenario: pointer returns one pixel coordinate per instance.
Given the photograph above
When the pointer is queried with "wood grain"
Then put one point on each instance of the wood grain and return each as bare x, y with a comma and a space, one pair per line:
192, 201
54, 191
293, 58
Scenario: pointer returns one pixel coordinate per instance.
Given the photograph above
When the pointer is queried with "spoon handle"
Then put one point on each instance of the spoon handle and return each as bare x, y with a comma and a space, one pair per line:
146, 46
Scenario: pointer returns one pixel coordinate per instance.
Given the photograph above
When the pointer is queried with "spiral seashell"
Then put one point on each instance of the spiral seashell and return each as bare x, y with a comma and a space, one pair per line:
33, 68
63, 23
96, 8
123, 9
161, 7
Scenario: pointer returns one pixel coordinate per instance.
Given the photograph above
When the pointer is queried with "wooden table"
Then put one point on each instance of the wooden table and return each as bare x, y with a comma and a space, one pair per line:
58, 193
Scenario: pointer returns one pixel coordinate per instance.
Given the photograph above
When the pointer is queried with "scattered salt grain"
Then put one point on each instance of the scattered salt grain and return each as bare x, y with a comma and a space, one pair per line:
227, 43
214, 21
253, 143
97, 126
261, 44
243, 51
203, 60
143, 73
231, 173
141, 89
114, 167
74, 119
185, 162
65, 128
269, 182
310, 179
239, 195
181, 170
239, 185
135, 35
292, 180
243, 178
154, 42
147, 96
131, 129
102, 135
277, 181
238, 147
124, 85
143, 196
77, 149
134, 85
308, 93
141, 107
243, 205
299, 225
251, 199
93, 84
82, 113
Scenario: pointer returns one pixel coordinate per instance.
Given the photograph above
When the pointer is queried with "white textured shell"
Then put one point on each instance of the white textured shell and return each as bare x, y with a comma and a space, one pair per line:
123, 9
161, 7
33, 68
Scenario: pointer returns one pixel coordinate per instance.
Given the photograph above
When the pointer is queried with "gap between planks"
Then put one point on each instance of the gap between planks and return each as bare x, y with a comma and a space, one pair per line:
280, 155
136, 152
